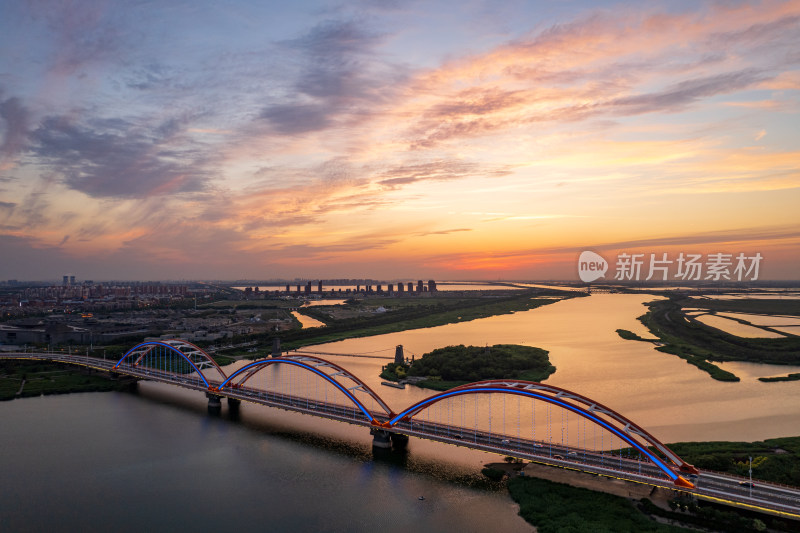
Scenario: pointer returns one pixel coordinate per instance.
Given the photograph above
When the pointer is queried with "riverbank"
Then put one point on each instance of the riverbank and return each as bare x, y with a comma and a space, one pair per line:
21, 379
428, 314
681, 334
555, 498
684, 335
553, 507
788, 377
552, 499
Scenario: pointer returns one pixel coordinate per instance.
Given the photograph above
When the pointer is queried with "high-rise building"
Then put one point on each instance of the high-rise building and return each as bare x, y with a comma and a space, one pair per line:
410, 286
319, 286
66, 281
431, 285
420, 286
72, 280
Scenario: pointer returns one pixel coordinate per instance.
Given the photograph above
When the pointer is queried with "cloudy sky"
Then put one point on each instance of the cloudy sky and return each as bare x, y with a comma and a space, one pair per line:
393, 139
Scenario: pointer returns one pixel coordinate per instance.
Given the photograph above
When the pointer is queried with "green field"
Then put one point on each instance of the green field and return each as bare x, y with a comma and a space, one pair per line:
50, 378
700, 345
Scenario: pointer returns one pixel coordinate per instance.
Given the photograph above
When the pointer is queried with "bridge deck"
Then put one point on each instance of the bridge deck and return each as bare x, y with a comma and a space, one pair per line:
714, 486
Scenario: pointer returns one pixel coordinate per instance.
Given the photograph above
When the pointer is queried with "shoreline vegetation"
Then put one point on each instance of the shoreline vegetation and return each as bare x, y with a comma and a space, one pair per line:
453, 366
789, 377
432, 313
631, 336
698, 344
551, 505
366, 316
25, 379
554, 507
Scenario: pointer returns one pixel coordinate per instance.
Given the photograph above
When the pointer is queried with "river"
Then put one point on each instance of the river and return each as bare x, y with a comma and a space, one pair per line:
156, 460
673, 400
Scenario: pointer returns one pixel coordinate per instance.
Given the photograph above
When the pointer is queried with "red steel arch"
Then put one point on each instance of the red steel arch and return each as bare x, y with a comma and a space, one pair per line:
326, 369
193, 354
594, 407
618, 423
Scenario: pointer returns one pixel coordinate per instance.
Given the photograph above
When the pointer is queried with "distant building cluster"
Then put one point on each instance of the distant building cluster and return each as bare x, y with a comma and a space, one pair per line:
309, 288
88, 295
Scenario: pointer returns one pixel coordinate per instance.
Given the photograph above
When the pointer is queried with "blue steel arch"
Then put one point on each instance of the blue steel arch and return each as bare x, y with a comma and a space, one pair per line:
165, 345
323, 375
468, 389
180, 344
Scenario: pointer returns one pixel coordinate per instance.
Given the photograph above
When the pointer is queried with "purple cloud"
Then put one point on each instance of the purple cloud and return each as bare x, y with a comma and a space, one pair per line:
116, 162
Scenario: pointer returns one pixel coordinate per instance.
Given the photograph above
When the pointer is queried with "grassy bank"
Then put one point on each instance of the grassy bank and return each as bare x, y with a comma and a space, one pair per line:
555, 507
667, 321
433, 313
788, 377
700, 344
552, 506
35, 378
631, 336
776, 460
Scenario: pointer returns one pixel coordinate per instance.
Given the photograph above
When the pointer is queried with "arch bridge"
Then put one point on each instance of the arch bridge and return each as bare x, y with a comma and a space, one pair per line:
533, 421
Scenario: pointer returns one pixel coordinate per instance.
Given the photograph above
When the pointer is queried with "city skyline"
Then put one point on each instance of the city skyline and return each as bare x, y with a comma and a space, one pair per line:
394, 140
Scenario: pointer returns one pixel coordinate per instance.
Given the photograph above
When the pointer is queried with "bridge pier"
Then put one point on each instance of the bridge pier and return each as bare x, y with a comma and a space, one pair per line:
130, 382
380, 438
399, 441
214, 402
387, 439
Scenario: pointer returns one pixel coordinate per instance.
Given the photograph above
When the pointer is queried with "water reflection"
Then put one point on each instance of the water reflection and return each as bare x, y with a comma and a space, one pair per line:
664, 394
80, 462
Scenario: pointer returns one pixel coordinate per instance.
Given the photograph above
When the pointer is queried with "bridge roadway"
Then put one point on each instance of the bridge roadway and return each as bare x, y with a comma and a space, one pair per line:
777, 499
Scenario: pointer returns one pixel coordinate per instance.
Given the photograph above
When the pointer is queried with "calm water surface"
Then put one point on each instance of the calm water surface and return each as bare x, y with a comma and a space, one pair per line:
159, 461
670, 398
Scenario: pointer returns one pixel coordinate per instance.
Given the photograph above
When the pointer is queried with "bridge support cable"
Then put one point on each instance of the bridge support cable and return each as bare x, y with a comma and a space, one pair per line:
560, 399
626, 426
162, 358
173, 357
329, 372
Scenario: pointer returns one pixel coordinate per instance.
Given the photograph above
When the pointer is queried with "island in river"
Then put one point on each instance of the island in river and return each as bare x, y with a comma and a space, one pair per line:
445, 368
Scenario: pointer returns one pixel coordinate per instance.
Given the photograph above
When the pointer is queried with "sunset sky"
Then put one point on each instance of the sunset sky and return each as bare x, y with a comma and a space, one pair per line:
394, 139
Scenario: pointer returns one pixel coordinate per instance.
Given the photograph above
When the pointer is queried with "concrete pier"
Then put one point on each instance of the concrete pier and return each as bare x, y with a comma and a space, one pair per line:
214, 402
380, 438
399, 441
386, 439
